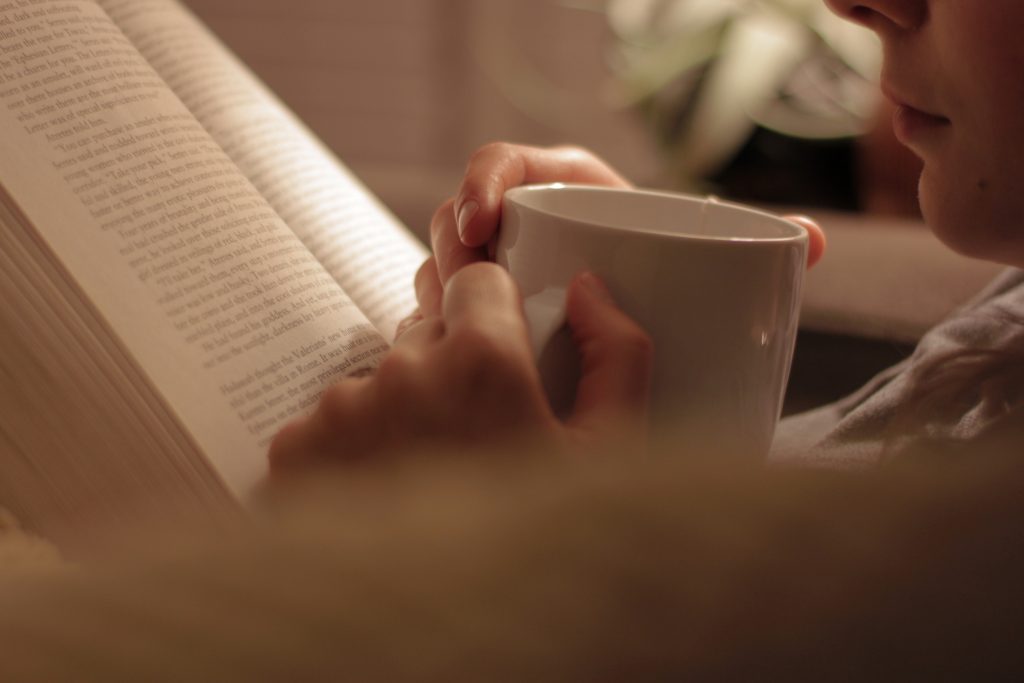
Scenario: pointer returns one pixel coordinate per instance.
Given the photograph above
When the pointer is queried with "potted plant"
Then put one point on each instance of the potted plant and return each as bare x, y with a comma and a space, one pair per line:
711, 76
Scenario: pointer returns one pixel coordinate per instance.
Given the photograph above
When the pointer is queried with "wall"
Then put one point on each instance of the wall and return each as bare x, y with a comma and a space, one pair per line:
404, 90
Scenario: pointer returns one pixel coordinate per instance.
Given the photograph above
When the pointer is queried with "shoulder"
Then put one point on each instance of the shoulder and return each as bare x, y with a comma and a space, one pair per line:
982, 341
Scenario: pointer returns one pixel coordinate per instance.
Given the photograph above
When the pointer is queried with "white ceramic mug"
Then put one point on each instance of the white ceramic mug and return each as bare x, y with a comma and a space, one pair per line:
717, 286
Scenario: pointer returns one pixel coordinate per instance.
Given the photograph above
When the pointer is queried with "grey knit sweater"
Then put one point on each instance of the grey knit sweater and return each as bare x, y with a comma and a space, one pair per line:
852, 433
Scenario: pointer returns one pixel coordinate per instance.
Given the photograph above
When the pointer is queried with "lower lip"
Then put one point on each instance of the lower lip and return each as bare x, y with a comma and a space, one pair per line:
910, 124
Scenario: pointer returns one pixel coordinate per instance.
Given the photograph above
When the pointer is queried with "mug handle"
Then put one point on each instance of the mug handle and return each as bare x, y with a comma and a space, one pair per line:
545, 315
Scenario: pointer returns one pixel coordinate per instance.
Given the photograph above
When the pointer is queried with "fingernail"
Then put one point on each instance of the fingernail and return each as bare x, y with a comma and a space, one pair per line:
406, 323
593, 285
466, 214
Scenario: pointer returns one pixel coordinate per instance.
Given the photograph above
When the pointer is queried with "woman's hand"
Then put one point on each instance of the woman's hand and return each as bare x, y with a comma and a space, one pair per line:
463, 228
461, 370
463, 373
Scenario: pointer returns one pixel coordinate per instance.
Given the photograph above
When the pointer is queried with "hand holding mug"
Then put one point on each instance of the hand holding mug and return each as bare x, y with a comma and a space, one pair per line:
716, 285
495, 168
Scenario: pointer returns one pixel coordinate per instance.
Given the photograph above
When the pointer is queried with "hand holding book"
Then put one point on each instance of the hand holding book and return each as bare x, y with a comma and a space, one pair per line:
464, 374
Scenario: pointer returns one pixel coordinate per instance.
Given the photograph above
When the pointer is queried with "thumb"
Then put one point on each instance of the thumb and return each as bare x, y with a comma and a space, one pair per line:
616, 356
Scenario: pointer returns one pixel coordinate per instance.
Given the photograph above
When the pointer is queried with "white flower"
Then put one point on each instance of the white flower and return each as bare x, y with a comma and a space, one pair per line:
715, 69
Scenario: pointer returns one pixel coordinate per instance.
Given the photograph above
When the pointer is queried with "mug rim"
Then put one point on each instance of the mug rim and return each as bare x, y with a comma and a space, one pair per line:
519, 193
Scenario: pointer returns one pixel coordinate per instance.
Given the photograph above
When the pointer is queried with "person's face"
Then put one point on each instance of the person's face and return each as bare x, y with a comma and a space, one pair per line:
955, 69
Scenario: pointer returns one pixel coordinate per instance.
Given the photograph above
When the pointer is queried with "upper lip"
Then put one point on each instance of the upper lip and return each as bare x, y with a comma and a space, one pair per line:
904, 101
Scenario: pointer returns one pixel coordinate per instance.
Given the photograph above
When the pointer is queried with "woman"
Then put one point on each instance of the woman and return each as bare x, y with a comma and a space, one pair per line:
461, 369
913, 573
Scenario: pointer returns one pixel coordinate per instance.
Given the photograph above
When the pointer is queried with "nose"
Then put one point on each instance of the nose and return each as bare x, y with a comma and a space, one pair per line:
882, 15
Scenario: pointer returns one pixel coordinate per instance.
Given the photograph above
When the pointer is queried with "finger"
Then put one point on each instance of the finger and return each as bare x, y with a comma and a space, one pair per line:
485, 360
616, 356
428, 288
499, 166
482, 299
406, 323
288, 450
450, 253
816, 238
318, 436
420, 333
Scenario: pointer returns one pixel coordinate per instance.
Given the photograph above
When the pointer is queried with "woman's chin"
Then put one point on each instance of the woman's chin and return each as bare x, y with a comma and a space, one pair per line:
976, 218
970, 235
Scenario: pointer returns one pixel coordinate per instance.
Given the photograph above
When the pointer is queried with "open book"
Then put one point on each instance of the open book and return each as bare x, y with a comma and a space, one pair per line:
183, 267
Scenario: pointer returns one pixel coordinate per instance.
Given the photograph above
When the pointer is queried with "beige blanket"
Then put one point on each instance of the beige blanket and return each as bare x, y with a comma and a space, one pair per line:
622, 572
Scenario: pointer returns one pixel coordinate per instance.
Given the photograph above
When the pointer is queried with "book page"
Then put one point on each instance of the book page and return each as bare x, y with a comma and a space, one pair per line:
229, 315
357, 240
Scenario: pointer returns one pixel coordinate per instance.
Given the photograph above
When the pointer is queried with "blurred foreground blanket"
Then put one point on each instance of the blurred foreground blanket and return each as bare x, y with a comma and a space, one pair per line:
532, 570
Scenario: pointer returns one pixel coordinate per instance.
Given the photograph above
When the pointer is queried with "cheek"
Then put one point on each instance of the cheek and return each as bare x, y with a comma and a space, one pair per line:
941, 210
972, 188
